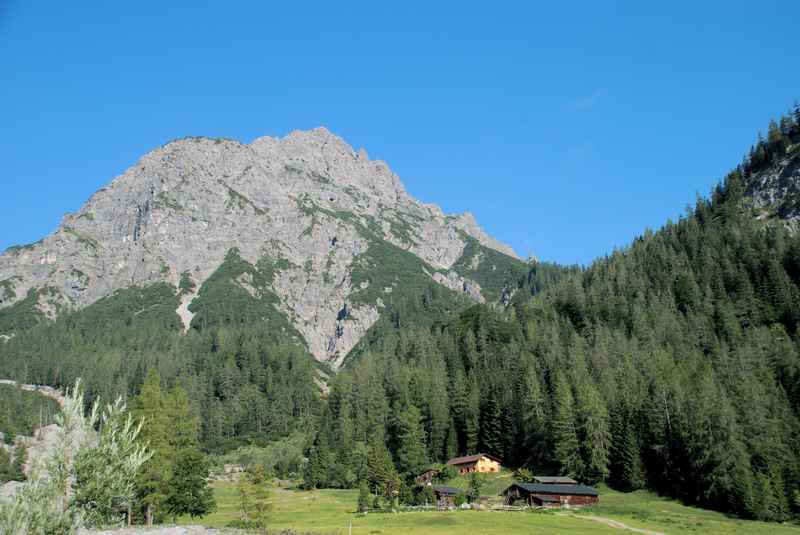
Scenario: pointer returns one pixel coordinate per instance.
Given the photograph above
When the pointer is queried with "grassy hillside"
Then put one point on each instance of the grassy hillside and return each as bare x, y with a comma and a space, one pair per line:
330, 511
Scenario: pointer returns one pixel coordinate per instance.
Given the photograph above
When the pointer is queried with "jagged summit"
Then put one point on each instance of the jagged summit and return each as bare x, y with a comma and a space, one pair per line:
306, 214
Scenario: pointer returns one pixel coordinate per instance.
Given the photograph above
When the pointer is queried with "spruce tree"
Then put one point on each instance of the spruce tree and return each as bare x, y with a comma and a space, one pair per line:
412, 453
189, 492
565, 436
595, 435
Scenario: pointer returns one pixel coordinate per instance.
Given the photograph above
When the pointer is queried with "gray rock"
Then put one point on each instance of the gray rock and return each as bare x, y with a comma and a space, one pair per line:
775, 192
183, 206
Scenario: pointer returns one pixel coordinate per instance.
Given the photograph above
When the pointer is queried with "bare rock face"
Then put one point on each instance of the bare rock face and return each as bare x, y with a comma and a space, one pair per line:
300, 201
775, 192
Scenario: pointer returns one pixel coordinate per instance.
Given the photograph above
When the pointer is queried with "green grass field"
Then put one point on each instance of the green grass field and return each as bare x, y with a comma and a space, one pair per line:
330, 511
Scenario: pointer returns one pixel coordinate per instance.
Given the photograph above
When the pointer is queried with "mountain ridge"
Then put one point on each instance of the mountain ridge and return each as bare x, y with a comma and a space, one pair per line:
304, 208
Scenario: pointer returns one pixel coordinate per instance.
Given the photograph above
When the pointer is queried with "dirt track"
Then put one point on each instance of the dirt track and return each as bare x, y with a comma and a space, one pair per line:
617, 524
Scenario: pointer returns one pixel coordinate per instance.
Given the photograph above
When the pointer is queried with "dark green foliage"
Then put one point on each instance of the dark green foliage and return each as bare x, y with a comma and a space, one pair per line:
411, 298
174, 481
238, 293
17, 471
523, 475
412, 453
409, 295
363, 497
5, 466
186, 284
243, 383
767, 151
136, 306
22, 411
475, 486
12, 463
424, 495
22, 314
493, 270
189, 492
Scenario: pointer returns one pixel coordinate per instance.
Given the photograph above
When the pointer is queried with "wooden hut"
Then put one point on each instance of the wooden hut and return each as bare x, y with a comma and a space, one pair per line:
445, 496
480, 462
551, 494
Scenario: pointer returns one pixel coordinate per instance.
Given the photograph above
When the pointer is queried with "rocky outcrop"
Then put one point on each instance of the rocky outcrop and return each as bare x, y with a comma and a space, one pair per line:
302, 201
775, 192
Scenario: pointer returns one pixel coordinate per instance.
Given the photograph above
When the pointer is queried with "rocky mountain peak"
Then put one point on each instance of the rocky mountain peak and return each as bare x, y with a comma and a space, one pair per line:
304, 213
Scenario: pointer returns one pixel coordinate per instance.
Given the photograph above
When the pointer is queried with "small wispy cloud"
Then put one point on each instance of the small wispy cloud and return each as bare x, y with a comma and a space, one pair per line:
586, 102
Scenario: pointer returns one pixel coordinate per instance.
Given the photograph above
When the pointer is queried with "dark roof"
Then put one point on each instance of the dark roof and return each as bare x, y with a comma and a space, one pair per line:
471, 459
563, 480
546, 498
445, 490
563, 490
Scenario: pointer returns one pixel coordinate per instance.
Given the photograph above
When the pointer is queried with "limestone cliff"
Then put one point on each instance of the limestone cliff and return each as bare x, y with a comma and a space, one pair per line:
301, 213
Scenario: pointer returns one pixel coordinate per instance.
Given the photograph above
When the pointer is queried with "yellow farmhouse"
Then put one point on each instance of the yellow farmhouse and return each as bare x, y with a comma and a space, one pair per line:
480, 462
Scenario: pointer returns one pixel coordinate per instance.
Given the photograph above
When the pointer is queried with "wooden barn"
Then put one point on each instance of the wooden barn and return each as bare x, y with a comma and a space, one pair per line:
480, 462
445, 496
551, 494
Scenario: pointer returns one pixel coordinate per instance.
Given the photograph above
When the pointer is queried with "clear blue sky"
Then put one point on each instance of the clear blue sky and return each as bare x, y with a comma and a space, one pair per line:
567, 128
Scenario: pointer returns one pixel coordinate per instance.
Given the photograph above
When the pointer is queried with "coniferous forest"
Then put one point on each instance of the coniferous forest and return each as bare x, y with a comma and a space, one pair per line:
673, 364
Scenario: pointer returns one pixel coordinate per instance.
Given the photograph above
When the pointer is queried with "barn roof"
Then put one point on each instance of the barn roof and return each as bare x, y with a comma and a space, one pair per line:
471, 459
445, 490
563, 490
563, 480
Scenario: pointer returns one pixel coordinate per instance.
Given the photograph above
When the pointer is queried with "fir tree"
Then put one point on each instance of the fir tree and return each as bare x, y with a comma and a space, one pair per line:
189, 492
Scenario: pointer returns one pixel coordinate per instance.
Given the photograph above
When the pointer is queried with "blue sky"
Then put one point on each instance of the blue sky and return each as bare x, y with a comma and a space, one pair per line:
567, 128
